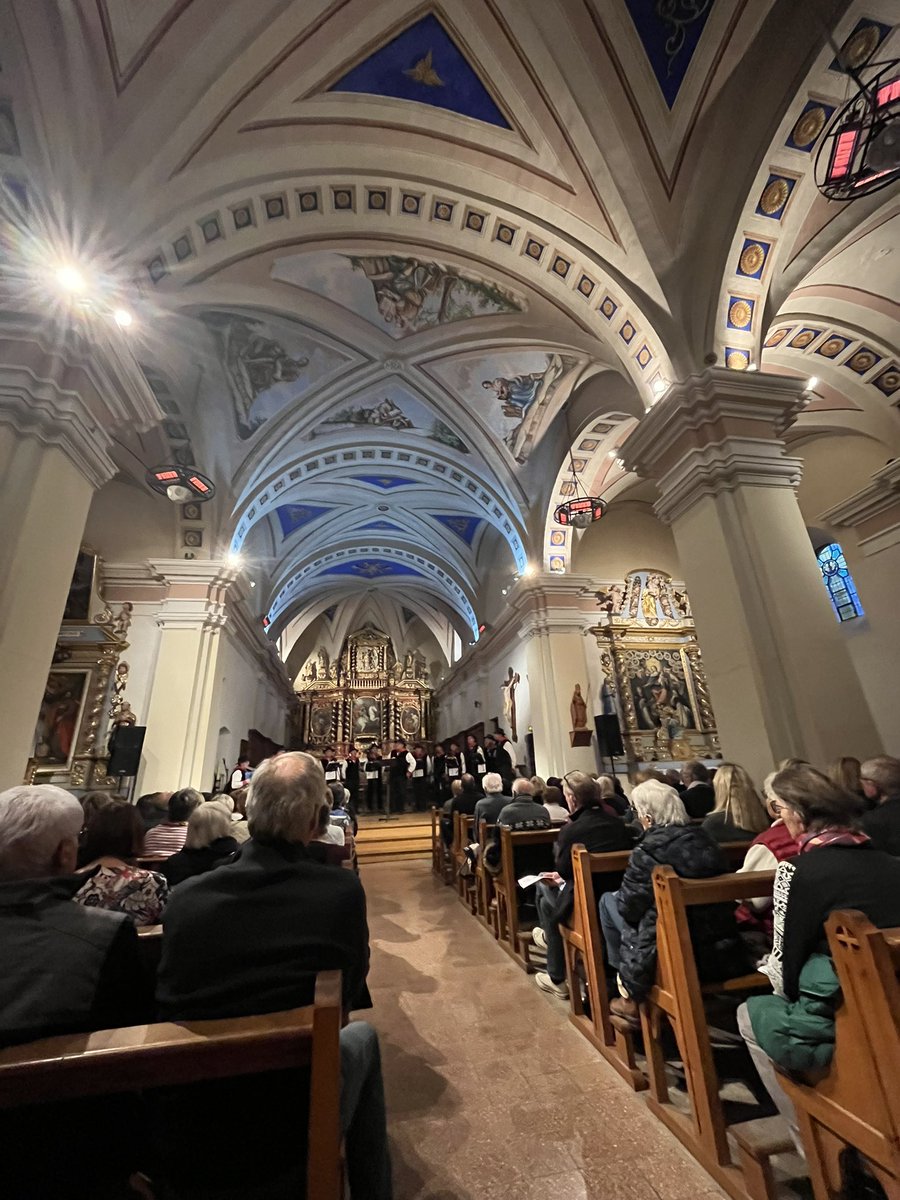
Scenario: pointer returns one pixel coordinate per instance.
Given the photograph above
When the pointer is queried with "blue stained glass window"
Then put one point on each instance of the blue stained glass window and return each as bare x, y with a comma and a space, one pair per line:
839, 581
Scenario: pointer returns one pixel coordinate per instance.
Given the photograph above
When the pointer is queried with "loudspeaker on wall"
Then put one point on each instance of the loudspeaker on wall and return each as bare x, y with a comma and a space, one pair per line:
609, 735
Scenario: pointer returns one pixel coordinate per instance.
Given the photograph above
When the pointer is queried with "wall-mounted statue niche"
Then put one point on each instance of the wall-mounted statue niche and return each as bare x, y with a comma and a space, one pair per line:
653, 677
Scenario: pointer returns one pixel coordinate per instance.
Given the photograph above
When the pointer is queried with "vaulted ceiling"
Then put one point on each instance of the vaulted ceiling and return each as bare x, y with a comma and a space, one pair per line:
391, 261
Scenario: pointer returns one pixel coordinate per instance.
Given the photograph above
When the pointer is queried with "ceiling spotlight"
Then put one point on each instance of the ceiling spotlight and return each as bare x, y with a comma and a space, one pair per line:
659, 386
233, 559
123, 318
253, 583
70, 279
812, 383
180, 484
529, 569
620, 463
504, 591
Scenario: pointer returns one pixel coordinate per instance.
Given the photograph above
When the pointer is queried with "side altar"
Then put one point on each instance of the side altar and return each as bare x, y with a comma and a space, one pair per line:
367, 694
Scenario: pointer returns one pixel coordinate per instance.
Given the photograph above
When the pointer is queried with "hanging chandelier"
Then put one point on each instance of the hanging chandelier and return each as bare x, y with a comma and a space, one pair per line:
180, 484
860, 152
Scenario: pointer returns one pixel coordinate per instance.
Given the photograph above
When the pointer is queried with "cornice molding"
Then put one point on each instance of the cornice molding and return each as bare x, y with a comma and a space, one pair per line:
715, 470
879, 503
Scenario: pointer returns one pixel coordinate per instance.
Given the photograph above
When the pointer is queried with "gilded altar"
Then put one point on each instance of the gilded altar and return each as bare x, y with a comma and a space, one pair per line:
653, 676
366, 694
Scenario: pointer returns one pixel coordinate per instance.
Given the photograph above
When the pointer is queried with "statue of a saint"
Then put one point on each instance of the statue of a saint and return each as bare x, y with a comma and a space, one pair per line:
322, 669
509, 702
578, 709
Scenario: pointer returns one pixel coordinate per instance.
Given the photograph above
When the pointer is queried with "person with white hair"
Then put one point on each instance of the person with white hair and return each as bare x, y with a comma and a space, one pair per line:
628, 916
494, 800
208, 843
64, 968
250, 937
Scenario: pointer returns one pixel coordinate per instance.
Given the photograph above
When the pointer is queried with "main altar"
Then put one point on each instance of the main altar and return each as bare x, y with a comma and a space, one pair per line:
367, 694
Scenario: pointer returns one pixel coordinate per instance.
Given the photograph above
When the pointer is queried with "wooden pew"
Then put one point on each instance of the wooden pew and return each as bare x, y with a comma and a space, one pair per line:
141, 1057
484, 880
441, 862
523, 852
679, 996
151, 862
857, 1103
583, 942
463, 835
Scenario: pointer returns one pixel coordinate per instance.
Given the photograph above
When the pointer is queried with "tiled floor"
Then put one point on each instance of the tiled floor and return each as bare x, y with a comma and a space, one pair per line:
491, 1092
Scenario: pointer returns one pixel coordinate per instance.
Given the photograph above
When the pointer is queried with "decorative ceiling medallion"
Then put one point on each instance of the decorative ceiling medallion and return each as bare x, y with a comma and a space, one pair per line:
740, 314
860, 45
833, 346
804, 338
775, 196
778, 336
888, 381
423, 64
863, 360
737, 360
752, 259
809, 125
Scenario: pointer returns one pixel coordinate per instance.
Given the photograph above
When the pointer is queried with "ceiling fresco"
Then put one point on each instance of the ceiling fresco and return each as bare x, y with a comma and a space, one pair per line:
400, 295
392, 409
423, 64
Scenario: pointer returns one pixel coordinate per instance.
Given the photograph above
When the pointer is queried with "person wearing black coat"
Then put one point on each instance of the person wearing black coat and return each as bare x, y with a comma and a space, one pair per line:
208, 843
628, 916
698, 795
599, 829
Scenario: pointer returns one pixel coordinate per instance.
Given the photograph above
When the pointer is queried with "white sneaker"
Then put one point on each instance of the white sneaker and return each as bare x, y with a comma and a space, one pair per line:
539, 937
546, 984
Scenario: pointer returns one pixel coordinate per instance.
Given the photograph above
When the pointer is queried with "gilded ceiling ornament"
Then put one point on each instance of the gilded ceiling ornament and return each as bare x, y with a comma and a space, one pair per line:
774, 338
802, 340
808, 127
737, 360
859, 46
424, 72
774, 196
752, 258
740, 314
832, 347
862, 361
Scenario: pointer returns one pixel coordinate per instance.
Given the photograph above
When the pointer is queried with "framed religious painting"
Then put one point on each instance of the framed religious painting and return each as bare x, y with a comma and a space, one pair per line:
60, 719
365, 717
81, 589
321, 721
661, 688
410, 720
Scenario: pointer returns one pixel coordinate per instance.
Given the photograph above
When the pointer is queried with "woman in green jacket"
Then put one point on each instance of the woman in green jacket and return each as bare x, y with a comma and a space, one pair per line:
836, 868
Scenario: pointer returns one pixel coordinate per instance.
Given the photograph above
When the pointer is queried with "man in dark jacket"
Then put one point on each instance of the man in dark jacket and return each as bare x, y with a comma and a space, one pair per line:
494, 801
698, 794
64, 968
880, 779
498, 760
628, 916
601, 831
251, 936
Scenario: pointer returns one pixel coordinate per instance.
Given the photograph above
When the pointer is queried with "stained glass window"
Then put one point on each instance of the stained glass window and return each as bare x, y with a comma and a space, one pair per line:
839, 581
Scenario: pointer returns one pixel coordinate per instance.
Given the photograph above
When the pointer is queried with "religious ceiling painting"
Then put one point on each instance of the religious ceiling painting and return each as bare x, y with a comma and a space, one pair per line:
511, 390
464, 527
395, 293
292, 517
394, 408
372, 569
269, 362
670, 31
652, 673
423, 64
369, 693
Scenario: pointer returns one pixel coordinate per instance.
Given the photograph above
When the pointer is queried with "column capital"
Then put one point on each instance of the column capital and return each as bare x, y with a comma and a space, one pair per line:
874, 511
196, 592
67, 391
713, 433
548, 604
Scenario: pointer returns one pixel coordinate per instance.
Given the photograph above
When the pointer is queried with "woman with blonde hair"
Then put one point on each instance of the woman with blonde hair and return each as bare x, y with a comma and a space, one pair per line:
845, 772
739, 814
208, 843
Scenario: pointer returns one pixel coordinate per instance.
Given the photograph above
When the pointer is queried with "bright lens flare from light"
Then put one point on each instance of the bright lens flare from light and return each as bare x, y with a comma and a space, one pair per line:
123, 318
70, 279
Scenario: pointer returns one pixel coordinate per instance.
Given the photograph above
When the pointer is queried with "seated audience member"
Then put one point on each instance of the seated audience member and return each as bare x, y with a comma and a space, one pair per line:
463, 800
229, 951
787, 763
739, 814
881, 783
838, 867
552, 800
208, 843
494, 800
673, 779
593, 825
64, 968
168, 837
111, 878
538, 784
323, 846
154, 808
628, 916
845, 773
766, 851
610, 797
524, 811
697, 793
341, 814
239, 830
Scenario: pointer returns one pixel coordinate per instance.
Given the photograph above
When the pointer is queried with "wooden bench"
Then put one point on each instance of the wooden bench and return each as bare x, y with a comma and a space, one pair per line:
678, 996
441, 863
525, 852
463, 835
857, 1104
484, 880
113, 1061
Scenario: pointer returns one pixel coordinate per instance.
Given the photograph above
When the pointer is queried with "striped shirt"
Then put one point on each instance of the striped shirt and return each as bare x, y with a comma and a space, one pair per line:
165, 838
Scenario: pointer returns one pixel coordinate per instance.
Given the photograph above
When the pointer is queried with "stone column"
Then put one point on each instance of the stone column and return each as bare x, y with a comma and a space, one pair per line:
179, 746
548, 609
874, 516
779, 674
59, 399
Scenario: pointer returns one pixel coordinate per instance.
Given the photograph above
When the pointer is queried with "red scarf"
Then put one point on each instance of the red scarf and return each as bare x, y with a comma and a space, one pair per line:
834, 836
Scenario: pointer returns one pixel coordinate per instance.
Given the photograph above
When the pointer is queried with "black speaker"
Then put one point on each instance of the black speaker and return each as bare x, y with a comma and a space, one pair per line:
609, 735
125, 750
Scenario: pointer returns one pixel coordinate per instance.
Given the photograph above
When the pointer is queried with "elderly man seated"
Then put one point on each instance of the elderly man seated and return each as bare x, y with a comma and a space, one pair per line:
250, 937
494, 801
64, 968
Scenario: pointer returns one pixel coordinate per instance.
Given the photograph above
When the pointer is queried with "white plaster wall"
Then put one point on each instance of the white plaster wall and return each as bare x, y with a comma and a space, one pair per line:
128, 524
630, 537
141, 655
